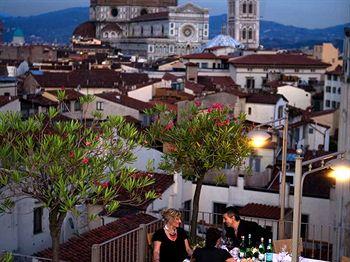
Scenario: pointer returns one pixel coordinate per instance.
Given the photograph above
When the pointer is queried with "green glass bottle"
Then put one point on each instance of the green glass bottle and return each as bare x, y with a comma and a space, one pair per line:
261, 256
269, 252
249, 251
242, 248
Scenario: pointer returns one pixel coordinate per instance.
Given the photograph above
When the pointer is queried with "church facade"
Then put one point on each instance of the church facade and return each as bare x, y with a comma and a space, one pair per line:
149, 28
243, 22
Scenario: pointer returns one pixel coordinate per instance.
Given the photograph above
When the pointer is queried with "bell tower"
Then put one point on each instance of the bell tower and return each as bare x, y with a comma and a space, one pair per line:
243, 22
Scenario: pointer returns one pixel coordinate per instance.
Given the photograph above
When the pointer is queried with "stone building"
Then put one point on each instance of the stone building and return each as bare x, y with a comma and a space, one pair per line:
243, 22
151, 29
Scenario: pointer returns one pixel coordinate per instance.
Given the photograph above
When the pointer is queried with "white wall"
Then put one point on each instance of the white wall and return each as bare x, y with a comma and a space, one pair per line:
240, 74
10, 88
331, 96
296, 97
14, 106
261, 113
144, 94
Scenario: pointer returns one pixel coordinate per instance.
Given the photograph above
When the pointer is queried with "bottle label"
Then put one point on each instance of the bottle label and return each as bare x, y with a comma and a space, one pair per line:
241, 254
261, 257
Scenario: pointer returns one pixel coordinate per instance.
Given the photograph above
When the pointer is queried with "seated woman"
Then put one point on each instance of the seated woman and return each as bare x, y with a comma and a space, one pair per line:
171, 242
211, 252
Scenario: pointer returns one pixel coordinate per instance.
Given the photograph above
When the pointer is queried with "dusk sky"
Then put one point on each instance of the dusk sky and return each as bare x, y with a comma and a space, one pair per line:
303, 13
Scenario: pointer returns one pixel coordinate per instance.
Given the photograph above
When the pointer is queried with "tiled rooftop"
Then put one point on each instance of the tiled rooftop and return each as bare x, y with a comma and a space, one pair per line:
261, 211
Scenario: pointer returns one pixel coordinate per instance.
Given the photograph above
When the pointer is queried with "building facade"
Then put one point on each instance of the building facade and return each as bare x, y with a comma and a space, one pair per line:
332, 89
151, 29
243, 22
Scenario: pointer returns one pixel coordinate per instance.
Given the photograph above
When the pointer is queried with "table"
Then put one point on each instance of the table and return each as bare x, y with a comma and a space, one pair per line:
275, 259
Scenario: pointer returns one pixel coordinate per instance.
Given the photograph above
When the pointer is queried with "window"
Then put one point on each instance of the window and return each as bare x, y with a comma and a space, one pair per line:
334, 90
339, 90
328, 103
250, 82
6, 94
304, 225
244, 34
329, 77
313, 70
99, 106
311, 130
296, 70
64, 107
249, 110
77, 106
187, 211
250, 34
328, 89
144, 11
204, 65
38, 220
280, 111
114, 12
244, 8
151, 30
334, 104
255, 163
250, 8
335, 78
218, 210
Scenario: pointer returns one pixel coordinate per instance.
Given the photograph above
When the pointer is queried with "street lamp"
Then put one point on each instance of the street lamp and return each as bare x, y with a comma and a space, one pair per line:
258, 139
341, 168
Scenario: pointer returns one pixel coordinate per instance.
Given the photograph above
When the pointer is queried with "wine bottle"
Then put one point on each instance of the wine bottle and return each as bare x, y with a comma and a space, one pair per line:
269, 252
242, 248
261, 256
249, 253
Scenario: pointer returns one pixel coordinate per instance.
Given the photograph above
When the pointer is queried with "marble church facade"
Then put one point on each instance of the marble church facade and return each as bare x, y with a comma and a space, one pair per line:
152, 28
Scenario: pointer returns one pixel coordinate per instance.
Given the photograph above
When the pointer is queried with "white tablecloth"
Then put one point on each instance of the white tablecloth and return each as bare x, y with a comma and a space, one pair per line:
275, 259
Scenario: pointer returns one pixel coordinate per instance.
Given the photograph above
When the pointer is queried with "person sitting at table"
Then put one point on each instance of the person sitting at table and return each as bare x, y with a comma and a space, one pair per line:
171, 242
236, 227
211, 252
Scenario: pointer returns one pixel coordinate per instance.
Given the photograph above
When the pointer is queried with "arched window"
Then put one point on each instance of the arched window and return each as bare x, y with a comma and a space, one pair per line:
162, 30
244, 33
250, 33
250, 9
151, 29
141, 30
244, 8
144, 11
113, 34
105, 34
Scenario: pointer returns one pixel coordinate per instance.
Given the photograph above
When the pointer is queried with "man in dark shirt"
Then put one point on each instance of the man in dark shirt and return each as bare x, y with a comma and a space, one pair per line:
236, 228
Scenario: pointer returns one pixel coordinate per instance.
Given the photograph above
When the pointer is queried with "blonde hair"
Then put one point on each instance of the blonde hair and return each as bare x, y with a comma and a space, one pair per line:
170, 213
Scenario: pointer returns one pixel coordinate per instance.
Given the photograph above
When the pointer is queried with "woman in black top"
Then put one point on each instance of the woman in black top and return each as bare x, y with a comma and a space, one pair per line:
171, 242
211, 252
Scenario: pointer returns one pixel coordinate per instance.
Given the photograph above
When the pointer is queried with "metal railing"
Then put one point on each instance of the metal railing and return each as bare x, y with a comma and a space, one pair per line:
318, 240
132, 246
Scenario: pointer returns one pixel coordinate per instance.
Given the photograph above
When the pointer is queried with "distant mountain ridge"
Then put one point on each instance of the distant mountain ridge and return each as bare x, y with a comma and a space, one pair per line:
57, 27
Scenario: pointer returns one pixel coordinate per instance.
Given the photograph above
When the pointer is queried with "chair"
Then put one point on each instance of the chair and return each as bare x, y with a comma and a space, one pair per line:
288, 243
345, 259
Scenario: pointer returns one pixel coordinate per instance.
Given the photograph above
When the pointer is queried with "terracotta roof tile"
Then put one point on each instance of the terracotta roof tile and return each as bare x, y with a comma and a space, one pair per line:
86, 30
337, 71
261, 211
70, 94
39, 100
169, 77
201, 56
125, 100
278, 60
151, 17
262, 98
78, 249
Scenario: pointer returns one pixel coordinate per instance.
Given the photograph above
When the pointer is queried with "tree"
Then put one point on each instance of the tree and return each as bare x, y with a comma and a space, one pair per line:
69, 163
200, 141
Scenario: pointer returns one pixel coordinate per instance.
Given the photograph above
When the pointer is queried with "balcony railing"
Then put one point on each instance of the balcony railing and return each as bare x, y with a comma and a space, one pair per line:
132, 246
318, 240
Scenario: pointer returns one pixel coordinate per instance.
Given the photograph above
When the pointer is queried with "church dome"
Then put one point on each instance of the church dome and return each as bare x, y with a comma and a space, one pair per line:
85, 30
223, 40
18, 33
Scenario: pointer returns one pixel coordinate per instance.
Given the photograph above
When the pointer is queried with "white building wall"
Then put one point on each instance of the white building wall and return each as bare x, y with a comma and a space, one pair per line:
260, 113
296, 97
332, 92
14, 106
144, 94
240, 74
110, 108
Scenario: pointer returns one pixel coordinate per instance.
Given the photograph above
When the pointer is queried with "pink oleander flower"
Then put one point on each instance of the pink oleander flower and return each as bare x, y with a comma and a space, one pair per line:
169, 126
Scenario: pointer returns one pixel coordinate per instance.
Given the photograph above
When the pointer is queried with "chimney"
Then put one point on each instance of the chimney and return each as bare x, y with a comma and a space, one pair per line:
192, 72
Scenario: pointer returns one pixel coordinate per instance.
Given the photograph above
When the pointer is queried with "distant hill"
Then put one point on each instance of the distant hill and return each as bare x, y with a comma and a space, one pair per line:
53, 27
275, 35
57, 27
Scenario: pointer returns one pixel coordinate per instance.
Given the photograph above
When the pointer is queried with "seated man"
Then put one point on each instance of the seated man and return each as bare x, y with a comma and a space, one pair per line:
236, 228
211, 252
